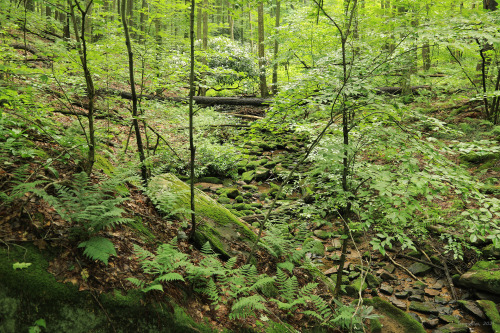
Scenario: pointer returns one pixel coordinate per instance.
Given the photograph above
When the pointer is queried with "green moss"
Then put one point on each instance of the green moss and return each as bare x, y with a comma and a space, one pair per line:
211, 180
216, 223
34, 280
224, 200
491, 312
407, 323
375, 326
239, 198
355, 287
102, 163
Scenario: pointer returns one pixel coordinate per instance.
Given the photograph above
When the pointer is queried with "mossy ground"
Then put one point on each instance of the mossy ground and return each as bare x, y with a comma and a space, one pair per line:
30, 294
394, 319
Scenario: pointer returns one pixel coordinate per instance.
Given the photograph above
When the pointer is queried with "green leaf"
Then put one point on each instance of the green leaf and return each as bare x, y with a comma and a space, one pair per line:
21, 265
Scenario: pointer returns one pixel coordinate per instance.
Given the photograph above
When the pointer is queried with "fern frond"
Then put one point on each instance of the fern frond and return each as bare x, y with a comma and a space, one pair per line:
289, 288
154, 286
230, 263
250, 273
322, 307
308, 289
136, 282
263, 281
281, 276
206, 249
170, 277
247, 306
286, 265
287, 306
98, 248
211, 291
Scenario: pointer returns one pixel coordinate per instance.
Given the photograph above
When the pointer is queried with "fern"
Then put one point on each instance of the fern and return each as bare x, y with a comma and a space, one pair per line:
206, 249
247, 306
323, 310
286, 265
98, 248
170, 277
211, 291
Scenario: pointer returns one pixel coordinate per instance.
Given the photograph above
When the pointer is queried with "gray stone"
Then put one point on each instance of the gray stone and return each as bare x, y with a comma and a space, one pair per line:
262, 173
418, 298
417, 292
439, 284
445, 310
415, 316
386, 276
448, 318
424, 307
402, 294
472, 308
484, 275
386, 289
452, 328
398, 303
321, 234
431, 292
440, 300
431, 322
372, 280
490, 251
390, 268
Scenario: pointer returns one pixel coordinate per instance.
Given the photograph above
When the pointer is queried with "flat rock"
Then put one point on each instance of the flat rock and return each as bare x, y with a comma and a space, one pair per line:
418, 298
386, 276
431, 292
322, 234
430, 322
448, 319
452, 328
402, 294
472, 308
386, 289
216, 224
398, 303
484, 275
439, 284
424, 307
440, 300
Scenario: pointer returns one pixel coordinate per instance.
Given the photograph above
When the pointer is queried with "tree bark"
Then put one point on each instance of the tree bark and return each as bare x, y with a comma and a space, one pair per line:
135, 121
81, 43
192, 148
276, 46
262, 56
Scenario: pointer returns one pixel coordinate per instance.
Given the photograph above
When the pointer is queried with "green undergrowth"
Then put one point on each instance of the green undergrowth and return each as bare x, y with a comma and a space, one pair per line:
29, 293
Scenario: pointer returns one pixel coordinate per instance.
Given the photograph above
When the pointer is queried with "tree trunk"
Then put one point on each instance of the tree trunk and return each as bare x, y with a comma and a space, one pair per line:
262, 56
81, 43
203, 90
426, 55
135, 121
192, 148
276, 46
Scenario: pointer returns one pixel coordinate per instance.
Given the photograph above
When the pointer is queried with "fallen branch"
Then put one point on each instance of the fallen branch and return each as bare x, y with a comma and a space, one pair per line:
403, 268
450, 281
246, 116
421, 261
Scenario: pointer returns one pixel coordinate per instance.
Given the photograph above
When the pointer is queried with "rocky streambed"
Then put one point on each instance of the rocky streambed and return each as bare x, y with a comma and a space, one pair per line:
410, 281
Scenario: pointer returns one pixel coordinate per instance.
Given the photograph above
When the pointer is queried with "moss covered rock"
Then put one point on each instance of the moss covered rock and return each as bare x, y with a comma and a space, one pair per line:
248, 176
393, 319
216, 224
484, 275
30, 294
490, 310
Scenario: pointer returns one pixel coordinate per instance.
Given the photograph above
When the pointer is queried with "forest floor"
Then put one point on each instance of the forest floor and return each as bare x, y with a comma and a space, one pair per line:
401, 280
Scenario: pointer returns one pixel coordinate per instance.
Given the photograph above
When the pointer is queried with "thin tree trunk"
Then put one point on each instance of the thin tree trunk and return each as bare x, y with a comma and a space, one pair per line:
135, 121
192, 148
276, 46
81, 43
262, 56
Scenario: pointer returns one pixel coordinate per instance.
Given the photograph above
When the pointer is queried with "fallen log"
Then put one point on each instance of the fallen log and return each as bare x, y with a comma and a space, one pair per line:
203, 100
248, 101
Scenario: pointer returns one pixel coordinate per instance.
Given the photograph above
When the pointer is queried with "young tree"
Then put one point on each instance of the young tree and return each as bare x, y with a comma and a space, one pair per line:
81, 45
262, 54
135, 120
